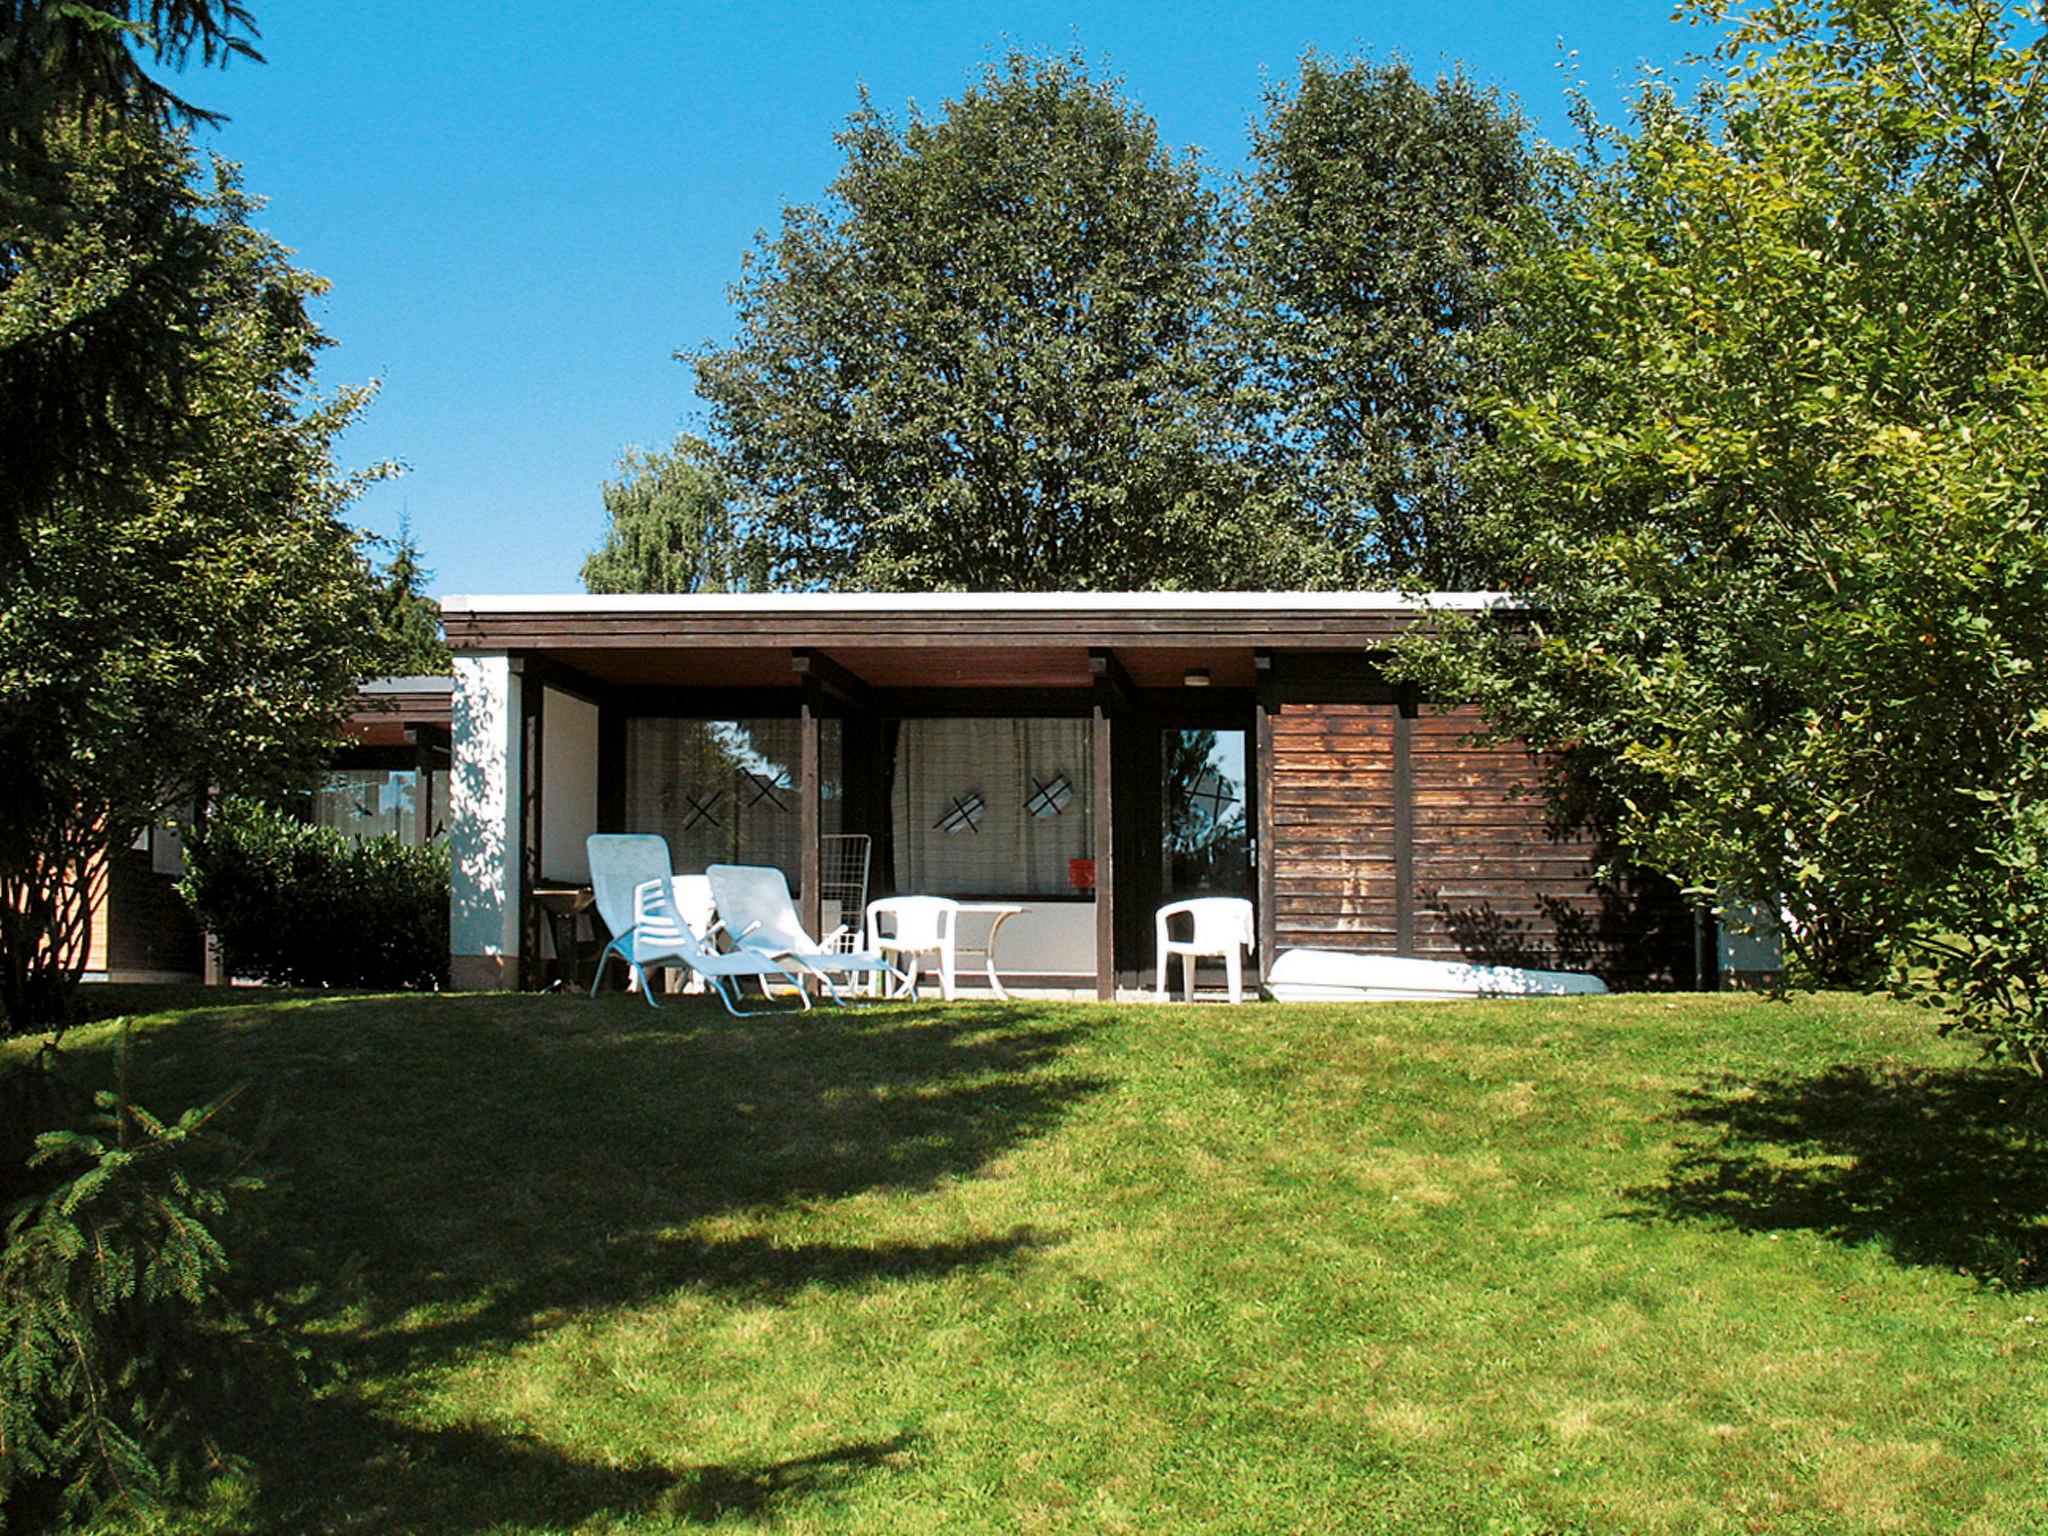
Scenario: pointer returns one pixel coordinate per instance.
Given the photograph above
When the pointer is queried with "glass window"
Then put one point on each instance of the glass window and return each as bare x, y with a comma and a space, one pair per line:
370, 802
725, 791
1205, 847
994, 807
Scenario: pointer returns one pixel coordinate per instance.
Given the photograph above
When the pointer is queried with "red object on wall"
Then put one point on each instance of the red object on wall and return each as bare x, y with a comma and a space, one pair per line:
1081, 874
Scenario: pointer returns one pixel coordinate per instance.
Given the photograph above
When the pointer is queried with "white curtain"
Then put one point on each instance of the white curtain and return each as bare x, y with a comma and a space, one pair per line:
725, 791
963, 799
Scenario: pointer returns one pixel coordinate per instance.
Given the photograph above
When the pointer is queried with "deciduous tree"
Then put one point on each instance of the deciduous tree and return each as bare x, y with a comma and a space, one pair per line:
671, 528
985, 362
1773, 476
1361, 265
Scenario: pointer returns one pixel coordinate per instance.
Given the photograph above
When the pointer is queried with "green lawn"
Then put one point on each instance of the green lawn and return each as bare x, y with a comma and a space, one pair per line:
1614, 1265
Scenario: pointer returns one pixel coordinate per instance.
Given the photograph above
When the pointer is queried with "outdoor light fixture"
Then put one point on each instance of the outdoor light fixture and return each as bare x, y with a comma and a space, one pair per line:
1197, 677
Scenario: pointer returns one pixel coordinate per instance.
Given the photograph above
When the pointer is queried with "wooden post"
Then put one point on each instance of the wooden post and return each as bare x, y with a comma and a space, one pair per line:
1404, 823
1267, 705
422, 786
811, 803
1105, 860
533, 731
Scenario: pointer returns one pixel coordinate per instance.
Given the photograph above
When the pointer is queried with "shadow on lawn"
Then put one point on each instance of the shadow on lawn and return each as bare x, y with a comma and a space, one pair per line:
496, 1166
1947, 1168
353, 1471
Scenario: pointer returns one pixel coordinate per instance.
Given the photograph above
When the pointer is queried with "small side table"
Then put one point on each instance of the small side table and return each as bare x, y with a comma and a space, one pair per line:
997, 915
563, 906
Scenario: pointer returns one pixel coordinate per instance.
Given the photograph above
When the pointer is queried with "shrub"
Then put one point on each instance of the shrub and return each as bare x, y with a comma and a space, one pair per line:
114, 1328
314, 907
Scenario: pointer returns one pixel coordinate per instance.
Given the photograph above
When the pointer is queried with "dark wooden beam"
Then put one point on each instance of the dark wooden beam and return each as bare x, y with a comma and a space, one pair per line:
1105, 858
832, 680
1113, 685
983, 703
709, 703
611, 768
1404, 824
532, 743
566, 677
422, 790
810, 802
1266, 704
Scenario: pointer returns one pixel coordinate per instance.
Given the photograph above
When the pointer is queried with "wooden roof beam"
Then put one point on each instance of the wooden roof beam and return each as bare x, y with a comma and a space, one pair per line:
831, 679
1113, 685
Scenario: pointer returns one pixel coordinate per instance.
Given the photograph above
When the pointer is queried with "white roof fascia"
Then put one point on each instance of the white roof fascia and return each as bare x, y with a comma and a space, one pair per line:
977, 602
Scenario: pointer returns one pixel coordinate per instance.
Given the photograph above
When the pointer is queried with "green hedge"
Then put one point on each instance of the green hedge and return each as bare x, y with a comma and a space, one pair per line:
313, 907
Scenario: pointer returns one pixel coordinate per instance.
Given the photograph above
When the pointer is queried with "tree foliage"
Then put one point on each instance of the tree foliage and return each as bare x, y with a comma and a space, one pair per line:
984, 363
1773, 434
100, 312
1361, 268
408, 620
204, 627
314, 906
116, 1331
671, 527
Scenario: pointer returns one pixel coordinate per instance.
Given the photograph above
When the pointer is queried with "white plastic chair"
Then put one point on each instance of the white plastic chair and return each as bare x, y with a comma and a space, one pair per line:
753, 902
917, 926
654, 920
1222, 927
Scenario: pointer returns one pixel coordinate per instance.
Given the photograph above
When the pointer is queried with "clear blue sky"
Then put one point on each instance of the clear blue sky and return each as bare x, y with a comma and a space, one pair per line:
526, 209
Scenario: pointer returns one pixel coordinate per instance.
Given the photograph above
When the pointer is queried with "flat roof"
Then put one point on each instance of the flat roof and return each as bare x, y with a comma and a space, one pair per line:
799, 604
937, 639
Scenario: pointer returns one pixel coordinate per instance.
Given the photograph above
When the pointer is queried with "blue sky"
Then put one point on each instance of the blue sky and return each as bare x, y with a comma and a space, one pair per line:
526, 209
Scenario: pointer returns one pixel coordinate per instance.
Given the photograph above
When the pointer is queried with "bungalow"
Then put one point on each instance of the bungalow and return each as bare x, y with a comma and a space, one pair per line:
1083, 756
389, 776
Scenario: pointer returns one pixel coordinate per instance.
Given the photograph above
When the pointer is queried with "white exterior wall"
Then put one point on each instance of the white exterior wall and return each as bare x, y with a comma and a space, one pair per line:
483, 821
568, 784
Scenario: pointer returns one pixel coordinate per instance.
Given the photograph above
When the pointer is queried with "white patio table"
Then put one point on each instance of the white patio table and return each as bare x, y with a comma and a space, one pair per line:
997, 914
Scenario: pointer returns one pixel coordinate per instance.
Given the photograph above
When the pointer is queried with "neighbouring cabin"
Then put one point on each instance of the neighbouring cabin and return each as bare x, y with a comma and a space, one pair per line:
1087, 756
389, 776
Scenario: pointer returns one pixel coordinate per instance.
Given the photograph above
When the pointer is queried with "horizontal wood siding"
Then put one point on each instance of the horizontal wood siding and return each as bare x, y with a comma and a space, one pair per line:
149, 927
1493, 880
1332, 791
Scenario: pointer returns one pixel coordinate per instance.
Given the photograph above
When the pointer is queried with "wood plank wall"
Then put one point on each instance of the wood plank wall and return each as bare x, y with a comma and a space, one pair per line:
1487, 877
1332, 790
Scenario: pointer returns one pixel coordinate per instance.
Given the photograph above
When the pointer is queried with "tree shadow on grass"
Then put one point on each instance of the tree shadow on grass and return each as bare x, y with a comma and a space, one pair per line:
495, 1167
451, 1481
1945, 1168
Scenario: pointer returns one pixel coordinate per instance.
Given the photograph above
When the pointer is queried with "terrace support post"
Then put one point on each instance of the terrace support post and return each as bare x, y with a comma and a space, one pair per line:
423, 785
1404, 821
810, 807
1266, 696
1114, 695
533, 726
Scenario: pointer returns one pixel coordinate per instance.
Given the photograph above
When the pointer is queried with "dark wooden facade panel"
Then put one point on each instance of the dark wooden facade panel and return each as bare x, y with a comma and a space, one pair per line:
1484, 875
1332, 789
149, 927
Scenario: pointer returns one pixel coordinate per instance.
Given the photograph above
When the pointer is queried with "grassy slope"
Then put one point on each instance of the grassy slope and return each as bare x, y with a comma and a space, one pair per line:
1624, 1265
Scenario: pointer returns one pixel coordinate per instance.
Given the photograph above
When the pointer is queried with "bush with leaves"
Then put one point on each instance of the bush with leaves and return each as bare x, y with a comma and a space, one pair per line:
1772, 475
313, 907
115, 1330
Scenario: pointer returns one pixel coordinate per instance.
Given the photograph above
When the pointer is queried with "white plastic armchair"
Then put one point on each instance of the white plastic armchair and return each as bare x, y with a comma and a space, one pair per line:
1222, 928
754, 904
912, 927
657, 919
